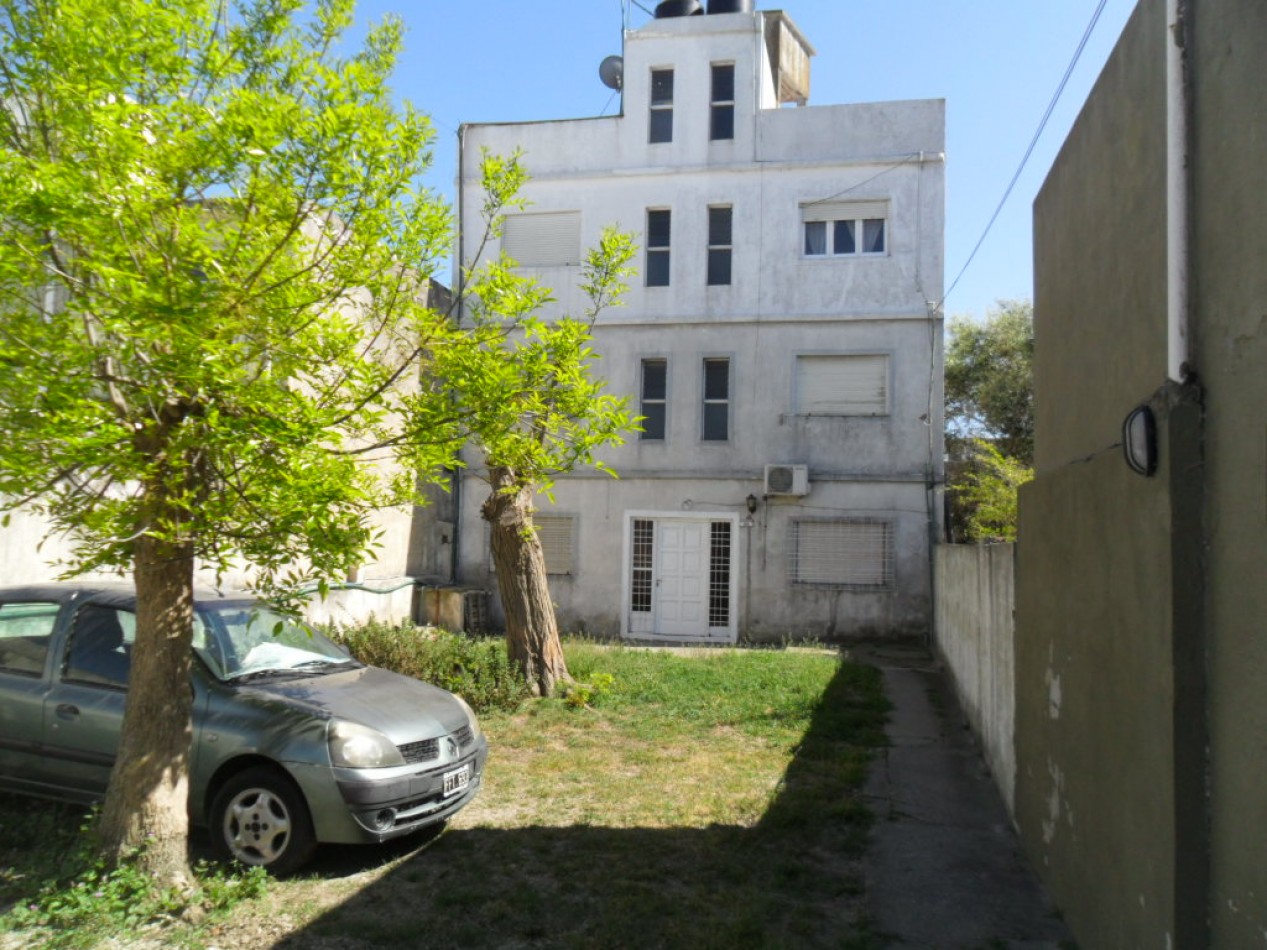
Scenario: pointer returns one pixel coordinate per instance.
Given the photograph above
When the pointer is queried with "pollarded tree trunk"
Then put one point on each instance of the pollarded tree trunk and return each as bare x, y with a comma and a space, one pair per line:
532, 633
148, 801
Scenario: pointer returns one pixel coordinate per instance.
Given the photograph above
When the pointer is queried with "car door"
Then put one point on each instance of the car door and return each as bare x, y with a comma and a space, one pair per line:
27, 632
83, 710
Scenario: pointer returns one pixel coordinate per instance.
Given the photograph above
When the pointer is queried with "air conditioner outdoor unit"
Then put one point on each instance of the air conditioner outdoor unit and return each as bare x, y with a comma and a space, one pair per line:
787, 479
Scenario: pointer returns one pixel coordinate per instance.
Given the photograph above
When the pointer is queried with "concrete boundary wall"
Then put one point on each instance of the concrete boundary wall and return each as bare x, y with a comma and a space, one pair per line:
974, 637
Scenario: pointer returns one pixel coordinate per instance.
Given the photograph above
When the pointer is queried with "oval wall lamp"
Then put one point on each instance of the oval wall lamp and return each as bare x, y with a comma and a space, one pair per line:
1139, 441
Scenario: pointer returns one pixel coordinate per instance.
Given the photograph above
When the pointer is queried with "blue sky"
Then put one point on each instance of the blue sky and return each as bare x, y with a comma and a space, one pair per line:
997, 64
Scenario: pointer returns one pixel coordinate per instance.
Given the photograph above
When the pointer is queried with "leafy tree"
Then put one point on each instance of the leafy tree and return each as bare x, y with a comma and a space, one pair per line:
534, 410
989, 379
210, 273
985, 494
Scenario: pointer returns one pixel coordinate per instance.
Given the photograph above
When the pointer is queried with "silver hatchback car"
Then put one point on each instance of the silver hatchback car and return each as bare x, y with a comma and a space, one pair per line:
295, 742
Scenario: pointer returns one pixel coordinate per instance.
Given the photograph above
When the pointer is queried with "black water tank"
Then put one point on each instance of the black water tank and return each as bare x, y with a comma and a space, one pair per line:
730, 6
678, 8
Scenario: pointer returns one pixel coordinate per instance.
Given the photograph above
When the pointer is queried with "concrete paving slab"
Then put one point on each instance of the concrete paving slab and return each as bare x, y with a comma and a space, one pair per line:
944, 865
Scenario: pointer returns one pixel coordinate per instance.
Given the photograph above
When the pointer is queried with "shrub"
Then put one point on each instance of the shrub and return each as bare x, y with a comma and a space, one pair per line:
477, 669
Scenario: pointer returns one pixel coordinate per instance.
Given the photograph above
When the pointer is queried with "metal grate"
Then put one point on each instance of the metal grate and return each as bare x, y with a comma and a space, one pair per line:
464, 736
643, 553
475, 611
846, 553
719, 575
415, 752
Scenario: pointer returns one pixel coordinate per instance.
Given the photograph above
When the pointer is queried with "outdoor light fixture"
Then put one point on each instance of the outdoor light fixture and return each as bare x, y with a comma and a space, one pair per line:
1139, 441
752, 503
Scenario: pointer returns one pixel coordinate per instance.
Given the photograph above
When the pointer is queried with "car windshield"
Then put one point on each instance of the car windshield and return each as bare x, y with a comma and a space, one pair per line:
249, 640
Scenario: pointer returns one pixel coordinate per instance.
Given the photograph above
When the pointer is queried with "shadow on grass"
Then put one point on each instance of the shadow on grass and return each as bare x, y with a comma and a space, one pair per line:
794, 879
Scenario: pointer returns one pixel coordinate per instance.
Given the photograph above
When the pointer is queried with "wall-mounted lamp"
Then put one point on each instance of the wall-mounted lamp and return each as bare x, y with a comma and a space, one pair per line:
751, 501
1139, 441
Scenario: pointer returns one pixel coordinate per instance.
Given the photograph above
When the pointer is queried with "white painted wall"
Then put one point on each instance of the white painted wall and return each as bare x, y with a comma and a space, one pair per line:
779, 305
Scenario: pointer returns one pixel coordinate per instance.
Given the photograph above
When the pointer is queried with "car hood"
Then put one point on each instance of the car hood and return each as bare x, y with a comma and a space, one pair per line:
403, 709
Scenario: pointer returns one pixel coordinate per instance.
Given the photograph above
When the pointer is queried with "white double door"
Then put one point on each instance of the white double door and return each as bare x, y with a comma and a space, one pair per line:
680, 584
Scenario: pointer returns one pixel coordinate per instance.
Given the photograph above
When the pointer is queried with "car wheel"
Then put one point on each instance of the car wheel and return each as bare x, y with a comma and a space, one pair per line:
260, 818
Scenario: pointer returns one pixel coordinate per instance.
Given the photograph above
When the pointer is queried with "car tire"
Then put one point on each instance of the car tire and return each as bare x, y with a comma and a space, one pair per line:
259, 817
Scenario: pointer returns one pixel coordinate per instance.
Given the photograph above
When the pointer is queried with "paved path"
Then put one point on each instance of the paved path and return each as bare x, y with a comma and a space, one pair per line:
944, 867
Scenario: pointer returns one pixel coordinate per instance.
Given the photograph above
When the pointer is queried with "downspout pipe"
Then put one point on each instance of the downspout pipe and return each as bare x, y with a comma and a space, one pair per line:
459, 274
1178, 191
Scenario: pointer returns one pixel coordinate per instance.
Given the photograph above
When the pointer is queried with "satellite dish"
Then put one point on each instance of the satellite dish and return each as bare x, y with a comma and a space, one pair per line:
612, 72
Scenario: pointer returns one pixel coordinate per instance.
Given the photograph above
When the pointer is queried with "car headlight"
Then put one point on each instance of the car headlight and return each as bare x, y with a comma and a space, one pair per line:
355, 746
476, 731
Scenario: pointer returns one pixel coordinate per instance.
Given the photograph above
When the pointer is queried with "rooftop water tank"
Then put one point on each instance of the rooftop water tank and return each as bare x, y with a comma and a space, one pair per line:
670, 8
730, 6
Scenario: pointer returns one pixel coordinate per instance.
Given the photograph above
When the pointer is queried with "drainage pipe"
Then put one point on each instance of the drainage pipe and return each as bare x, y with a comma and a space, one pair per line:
1178, 191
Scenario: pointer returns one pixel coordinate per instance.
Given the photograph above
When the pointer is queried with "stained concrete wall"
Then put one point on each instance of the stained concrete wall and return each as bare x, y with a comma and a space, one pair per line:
975, 631
1230, 238
1095, 796
1140, 647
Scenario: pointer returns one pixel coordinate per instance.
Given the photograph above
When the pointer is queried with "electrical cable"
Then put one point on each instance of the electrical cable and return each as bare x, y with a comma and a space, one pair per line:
1095, 18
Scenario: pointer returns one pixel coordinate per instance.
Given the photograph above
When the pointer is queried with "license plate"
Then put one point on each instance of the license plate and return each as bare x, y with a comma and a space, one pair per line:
457, 780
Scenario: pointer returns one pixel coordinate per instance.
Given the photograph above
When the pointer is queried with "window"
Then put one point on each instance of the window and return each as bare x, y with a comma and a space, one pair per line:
643, 564
555, 533
719, 574
722, 114
653, 403
719, 245
844, 553
98, 652
661, 106
716, 400
25, 630
845, 228
543, 240
855, 385
659, 229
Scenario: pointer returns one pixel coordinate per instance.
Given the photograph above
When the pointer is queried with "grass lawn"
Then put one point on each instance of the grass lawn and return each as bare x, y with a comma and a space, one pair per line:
708, 799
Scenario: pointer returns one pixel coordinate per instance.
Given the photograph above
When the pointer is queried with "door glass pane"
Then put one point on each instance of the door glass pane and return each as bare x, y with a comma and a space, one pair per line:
642, 561
97, 652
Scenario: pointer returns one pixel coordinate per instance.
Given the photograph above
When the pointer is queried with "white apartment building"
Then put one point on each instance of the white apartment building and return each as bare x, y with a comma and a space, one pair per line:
782, 340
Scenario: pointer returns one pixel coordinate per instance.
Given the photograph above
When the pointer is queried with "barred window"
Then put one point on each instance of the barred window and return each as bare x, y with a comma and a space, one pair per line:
719, 575
642, 558
845, 553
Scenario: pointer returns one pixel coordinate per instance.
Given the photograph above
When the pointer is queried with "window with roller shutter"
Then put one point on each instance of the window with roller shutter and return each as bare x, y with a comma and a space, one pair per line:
550, 239
845, 385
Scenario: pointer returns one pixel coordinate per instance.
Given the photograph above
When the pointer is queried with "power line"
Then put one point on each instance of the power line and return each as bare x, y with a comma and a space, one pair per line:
1077, 54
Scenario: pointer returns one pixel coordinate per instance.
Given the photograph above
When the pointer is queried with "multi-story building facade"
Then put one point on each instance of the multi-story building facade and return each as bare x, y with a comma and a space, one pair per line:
782, 340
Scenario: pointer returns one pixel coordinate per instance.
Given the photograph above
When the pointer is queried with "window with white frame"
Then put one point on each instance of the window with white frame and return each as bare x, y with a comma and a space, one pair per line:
722, 107
659, 235
653, 404
845, 228
855, 384
716, 421
720, 219
551, 239
555, 532
661, 128
841, 553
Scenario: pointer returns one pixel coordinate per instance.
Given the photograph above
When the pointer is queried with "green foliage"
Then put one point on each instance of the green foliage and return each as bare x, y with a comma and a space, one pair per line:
477, 669
212, 279
82, 899
986, 494
579, 695
989, 379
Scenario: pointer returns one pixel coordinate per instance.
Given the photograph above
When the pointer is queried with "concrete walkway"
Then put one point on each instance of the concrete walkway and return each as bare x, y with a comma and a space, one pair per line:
944, 867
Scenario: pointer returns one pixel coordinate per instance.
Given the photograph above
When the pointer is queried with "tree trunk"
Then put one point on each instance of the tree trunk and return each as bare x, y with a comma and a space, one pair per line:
148, 800
532, 634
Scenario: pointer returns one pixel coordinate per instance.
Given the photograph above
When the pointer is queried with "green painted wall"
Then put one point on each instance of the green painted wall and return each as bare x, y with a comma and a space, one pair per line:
1230, 239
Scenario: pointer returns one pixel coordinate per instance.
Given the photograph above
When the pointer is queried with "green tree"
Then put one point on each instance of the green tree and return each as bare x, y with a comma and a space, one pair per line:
210, 315
985, 494
989, 379
534, 410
